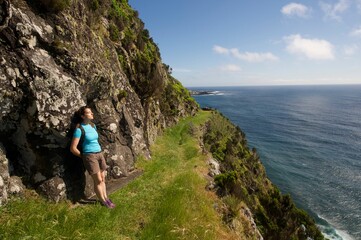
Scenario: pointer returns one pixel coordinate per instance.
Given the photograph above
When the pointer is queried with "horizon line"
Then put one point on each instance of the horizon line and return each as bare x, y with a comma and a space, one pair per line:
279, 85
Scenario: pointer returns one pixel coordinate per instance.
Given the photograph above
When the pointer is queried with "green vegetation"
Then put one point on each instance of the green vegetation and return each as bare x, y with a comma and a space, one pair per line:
94, 5
173, 95
121, 94
121, 10
243, 177
168, 201
149, 54
113, 32
233, 205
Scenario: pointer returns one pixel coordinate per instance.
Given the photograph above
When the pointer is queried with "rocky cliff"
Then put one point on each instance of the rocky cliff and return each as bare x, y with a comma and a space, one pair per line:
56, 56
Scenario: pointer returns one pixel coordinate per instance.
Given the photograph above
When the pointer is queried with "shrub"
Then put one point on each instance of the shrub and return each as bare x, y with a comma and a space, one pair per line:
123, 61
129, 37
94, 5
113, 32
121, 94
226, 179
233, 205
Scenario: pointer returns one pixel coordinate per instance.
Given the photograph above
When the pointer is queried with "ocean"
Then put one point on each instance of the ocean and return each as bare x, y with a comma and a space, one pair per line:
309, 140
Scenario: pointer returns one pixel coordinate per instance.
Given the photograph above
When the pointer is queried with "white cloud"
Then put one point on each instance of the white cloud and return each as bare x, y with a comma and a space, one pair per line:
316, 49
350, 50
220, 50
356, 32
334, 11
295, 9
253, 57
246, 56
231, 68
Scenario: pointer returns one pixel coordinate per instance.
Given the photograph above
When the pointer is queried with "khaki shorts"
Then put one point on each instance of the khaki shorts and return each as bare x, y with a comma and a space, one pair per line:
94, 162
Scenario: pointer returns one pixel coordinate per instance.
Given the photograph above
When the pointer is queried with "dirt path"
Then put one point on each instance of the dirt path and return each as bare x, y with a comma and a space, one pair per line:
116, 184
112, 186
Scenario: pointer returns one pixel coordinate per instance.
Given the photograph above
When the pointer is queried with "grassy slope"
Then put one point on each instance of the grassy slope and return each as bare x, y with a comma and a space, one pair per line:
168, 201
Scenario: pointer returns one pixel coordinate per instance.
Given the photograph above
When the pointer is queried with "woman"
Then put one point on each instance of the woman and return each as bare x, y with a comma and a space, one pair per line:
91, 154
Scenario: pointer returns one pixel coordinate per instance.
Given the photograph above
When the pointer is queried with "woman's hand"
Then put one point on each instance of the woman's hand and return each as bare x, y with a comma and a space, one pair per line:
73, 147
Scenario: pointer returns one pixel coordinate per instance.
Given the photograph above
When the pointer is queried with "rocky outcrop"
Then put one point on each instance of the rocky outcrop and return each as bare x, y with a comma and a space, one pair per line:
54, 189
52, 64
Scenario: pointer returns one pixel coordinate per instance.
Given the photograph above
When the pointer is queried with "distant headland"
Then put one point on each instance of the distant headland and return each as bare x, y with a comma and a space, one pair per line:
203, 92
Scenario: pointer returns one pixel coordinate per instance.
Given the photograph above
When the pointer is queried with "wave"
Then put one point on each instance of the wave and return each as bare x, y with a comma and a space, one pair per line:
217, 93
330, 232
207, 92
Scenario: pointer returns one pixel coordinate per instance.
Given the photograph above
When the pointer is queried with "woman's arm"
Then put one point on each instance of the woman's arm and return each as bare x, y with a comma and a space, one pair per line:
73, 147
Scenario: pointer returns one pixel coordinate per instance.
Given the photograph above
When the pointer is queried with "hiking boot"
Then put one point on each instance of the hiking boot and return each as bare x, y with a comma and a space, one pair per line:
110, 203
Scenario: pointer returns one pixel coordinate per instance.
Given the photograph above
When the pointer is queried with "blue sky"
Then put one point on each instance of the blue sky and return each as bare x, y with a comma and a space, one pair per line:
249, 43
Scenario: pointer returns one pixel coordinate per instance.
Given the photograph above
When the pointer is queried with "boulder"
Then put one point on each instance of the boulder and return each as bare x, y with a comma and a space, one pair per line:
214, 167
15, 186
54, 189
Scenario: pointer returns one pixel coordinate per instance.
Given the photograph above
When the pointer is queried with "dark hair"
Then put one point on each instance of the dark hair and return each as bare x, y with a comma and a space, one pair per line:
76, 120
78, 115
81, 111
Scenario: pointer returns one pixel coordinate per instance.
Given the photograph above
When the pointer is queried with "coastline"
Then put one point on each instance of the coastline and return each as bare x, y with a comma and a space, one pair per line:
331, 229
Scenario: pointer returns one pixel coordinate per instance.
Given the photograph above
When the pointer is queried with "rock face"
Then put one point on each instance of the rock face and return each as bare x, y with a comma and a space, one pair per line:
52, 64
4, 177
9, 186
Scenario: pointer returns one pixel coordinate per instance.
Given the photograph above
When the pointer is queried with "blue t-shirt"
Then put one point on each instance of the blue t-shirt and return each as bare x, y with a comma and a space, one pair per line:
90, 143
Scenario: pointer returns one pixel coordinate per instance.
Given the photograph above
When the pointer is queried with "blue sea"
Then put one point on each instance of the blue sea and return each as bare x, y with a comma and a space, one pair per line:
309, 140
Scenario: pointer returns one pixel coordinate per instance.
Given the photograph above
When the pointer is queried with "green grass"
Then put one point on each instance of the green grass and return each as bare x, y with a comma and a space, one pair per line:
168, 201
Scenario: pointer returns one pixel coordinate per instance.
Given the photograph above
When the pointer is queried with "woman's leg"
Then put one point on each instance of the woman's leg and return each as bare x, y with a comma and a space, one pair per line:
99, 186
111, 204
104, 186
